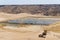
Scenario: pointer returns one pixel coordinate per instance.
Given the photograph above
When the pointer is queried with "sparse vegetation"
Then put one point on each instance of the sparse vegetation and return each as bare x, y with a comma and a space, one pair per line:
2, 25
47, 10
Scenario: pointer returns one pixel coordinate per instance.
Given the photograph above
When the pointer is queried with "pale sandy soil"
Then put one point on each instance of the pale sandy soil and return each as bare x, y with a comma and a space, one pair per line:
26, 33
6, 16
23, 33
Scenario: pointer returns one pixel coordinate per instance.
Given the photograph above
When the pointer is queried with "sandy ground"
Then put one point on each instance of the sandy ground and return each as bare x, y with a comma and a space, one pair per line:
26, 33
23, 33
6, 16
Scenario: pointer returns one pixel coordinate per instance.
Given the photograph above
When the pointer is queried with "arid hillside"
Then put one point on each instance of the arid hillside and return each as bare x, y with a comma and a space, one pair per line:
48, 10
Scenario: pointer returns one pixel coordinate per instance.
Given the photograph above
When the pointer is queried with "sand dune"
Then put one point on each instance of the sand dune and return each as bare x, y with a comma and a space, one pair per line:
26, 33
6, 16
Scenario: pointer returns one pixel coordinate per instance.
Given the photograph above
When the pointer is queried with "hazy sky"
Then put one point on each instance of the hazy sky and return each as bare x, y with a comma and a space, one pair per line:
20, 2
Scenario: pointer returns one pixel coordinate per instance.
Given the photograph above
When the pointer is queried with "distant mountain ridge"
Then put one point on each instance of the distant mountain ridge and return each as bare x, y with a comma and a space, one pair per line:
47, 10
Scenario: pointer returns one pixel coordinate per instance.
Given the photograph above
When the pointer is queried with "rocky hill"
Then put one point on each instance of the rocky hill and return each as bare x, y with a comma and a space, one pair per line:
48, 10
